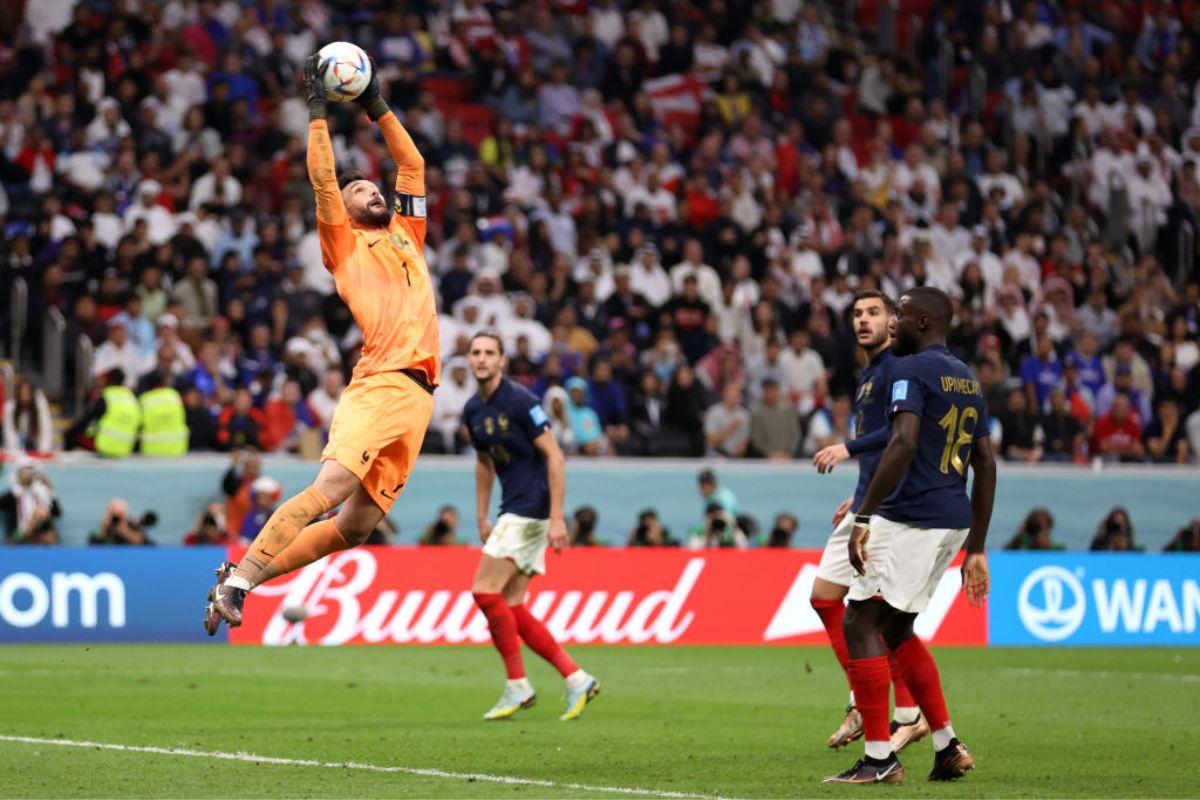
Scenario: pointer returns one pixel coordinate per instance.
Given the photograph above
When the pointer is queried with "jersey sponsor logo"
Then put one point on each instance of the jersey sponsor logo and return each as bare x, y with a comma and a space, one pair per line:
899, 391
538, 415
1051, 603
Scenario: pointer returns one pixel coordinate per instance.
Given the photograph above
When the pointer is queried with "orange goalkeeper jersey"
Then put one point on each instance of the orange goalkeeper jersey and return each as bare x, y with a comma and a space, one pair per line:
381, 274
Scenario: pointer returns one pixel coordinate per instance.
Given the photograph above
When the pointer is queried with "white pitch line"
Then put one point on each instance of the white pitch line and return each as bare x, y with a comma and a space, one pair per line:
253, 758
1169, 677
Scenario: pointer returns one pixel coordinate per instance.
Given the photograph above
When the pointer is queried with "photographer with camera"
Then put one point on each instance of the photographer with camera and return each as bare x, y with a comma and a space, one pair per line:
119, 528
1034, 533
210, 528
720, 530
650, 532
442, 531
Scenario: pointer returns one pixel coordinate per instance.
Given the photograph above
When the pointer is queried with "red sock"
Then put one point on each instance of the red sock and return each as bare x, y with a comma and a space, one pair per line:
541, 642
871, 680
831, 613
921, 674
900, 690
504, 632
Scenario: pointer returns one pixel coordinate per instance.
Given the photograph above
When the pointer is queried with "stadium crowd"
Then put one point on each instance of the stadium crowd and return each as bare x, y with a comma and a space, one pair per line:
666, 209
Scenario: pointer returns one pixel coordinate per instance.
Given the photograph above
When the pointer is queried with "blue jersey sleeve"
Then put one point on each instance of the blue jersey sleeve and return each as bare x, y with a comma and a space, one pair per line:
532, 417
869, 442
907, 394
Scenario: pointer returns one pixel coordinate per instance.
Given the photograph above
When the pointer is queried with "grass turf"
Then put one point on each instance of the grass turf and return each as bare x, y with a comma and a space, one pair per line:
747, 722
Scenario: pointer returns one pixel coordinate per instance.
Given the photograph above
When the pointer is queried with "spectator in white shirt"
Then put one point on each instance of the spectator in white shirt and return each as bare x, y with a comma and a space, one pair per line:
996, 178
323, 399
523, 323
217, 187
1021, 257
804, 380
950, 240
647, 276
805, 262
989, 263
658, 200
160, 223
449, 400
707, 279
119, 351
108, 128
185, 82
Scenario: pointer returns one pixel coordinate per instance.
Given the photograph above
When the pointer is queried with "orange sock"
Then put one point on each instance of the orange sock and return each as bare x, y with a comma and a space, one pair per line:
280, 531
316, 541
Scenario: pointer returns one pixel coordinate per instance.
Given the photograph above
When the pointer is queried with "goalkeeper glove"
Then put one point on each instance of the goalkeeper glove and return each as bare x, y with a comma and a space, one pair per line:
314, 80
371, 99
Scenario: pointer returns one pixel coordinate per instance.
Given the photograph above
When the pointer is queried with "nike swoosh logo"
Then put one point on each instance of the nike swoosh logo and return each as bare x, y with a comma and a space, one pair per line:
372, 244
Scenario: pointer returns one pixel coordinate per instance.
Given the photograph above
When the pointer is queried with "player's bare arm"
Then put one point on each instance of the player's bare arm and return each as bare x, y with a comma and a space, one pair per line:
975, 577
485, 478
899, 454
556, 478
842, 510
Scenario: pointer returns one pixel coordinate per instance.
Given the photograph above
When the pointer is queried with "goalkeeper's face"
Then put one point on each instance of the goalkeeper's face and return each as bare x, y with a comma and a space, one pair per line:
365, 205
485, 355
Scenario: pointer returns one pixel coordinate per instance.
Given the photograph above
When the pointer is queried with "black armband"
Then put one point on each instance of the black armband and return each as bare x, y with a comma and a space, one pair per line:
409, 205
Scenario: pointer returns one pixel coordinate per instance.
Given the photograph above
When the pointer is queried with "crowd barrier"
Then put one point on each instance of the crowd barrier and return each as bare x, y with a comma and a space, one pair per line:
1159, 500
391, 595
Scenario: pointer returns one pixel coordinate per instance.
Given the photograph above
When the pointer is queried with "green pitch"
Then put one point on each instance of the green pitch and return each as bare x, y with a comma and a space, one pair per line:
744, 722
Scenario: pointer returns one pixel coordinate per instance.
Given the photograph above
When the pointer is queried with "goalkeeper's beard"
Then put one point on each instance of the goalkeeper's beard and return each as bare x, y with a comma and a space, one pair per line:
367, 218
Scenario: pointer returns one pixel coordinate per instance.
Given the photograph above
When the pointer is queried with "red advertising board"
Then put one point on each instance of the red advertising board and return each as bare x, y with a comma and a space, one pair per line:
391, 595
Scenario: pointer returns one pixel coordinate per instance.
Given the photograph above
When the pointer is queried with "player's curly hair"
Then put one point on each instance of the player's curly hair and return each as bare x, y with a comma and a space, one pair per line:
349, 176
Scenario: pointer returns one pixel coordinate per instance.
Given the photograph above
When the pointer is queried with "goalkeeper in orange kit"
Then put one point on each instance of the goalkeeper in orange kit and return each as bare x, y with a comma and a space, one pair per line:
375, 255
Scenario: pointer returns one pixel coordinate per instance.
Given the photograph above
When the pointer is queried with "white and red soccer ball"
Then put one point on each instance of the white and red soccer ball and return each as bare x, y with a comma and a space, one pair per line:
349, 71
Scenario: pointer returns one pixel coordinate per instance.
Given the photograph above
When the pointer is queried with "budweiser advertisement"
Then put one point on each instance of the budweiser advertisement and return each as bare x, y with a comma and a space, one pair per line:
604, 596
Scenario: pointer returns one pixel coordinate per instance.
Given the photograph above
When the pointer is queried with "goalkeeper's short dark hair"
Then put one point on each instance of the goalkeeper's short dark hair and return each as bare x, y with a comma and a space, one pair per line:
349, 176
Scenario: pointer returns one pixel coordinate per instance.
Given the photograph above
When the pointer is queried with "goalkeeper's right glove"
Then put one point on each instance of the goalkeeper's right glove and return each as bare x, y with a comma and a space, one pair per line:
371, 98
314, 80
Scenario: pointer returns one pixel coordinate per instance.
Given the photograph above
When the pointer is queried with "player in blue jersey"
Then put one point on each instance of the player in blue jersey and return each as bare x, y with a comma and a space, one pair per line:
913, 519
513, 441
871, 315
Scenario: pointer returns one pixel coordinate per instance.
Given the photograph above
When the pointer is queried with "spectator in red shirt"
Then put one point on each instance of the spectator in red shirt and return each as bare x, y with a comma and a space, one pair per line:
1118, 434
240, 423
286, 414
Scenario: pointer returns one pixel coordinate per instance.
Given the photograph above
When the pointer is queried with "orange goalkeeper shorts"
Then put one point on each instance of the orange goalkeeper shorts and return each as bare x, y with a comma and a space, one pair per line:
377, 431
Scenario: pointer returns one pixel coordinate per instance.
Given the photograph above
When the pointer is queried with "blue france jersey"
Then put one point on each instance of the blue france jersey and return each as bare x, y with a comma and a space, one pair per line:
870, 414
941, 390
503, 427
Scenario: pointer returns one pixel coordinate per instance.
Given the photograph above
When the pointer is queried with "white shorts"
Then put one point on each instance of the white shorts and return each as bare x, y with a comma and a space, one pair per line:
905, 564
835, 560
521, 540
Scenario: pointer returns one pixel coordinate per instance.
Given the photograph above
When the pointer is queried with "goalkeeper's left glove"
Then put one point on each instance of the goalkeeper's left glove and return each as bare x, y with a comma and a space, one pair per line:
314, 80
371, 98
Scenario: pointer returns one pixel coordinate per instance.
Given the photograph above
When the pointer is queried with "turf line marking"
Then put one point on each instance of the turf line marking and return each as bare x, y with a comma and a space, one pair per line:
253, 758
1169, 677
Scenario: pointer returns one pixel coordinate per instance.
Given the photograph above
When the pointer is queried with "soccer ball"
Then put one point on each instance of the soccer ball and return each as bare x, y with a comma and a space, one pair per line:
349, 71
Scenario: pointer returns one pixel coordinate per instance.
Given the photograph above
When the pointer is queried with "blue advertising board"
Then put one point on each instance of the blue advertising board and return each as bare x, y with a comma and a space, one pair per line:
1094, 599
106, 594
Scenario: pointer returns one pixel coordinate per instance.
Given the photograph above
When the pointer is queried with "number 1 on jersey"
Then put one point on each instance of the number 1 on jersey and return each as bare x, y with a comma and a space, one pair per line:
957, 436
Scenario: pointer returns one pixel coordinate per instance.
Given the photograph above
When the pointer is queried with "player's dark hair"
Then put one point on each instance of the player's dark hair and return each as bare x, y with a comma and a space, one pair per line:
933, 302
875, 294
348, 177
489, 334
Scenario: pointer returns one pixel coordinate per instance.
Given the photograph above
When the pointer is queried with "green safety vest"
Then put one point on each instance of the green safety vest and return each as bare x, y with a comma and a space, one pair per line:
164, 423
118, 428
